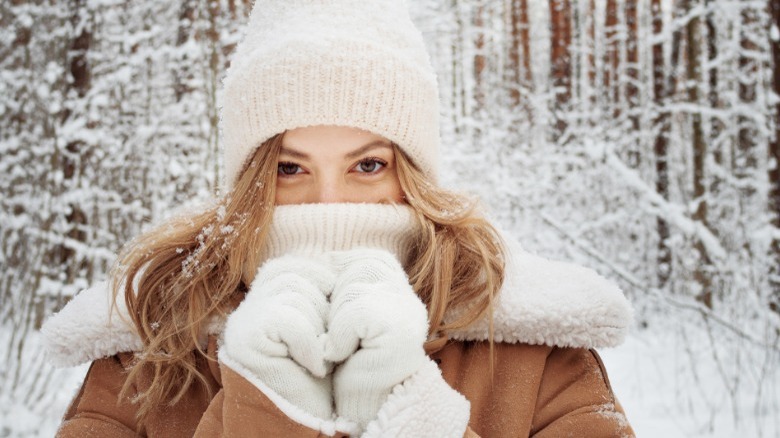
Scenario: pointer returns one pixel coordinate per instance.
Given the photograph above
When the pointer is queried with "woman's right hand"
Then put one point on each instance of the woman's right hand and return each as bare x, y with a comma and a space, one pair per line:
274, 333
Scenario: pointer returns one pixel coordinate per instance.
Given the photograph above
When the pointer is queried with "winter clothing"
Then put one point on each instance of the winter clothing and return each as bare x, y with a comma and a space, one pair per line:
274, 334
376, 331
557, 387
314, 229
536, 390
352, 63
423, 405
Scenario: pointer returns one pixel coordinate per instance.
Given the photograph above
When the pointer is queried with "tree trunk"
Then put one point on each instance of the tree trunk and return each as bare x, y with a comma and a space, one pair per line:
479, 57
774, 156
660, 148
632, 90
716, 124
612, 59
592, 68
214, 11
748, 70
560, 62
182, 74
76, 149
458, 88
519, 56
702, 272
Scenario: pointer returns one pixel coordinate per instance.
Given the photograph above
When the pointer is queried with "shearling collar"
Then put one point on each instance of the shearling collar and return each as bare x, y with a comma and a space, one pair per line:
546, 302
542, 302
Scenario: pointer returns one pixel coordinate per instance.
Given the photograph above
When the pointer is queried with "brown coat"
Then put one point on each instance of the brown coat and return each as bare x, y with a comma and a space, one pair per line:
537, 391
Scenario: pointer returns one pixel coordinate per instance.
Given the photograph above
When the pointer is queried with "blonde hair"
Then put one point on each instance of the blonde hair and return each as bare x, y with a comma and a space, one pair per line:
177, 276
461, 263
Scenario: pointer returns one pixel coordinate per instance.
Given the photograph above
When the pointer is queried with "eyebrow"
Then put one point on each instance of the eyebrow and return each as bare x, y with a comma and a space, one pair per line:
354, 154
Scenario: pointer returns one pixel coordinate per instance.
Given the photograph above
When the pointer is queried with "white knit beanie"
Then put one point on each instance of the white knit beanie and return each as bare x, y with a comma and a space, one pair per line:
356, 63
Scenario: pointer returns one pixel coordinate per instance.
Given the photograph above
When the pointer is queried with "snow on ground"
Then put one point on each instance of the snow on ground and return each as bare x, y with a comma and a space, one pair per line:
42, 393
670, 388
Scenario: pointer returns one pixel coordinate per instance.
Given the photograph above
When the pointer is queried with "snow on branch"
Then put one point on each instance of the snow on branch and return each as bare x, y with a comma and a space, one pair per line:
655, 204
639, 285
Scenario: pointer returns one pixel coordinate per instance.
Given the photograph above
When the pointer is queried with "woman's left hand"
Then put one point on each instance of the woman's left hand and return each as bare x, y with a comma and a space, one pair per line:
377, 327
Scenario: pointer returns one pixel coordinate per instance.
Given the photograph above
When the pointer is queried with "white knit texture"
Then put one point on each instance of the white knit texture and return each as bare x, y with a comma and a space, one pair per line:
275, 332
356, 63
314, 229
377, 326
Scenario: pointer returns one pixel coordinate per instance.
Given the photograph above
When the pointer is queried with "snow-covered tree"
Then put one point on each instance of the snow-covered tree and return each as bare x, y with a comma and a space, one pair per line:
639, 137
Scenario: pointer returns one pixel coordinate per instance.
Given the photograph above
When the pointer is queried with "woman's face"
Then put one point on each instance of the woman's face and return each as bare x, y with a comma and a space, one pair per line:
330, 164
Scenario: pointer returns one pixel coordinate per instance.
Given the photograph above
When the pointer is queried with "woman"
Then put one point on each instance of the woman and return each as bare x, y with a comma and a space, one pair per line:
335, 288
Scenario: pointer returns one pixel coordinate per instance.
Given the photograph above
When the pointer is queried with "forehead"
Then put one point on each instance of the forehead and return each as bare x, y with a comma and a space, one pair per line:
329, 137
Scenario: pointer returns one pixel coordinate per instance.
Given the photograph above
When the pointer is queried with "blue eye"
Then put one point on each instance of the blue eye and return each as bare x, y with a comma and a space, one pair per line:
370, 165
288, 169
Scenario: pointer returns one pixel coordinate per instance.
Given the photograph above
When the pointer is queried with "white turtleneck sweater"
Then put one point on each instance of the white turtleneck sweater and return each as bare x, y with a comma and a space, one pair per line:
313, 229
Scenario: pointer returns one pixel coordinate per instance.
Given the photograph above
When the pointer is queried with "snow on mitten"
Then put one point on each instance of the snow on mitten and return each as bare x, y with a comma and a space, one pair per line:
377, 326
274, 333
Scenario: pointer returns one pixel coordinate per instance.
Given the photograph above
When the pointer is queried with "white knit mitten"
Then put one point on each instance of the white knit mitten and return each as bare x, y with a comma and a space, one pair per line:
274, 333
423, 406
377, 326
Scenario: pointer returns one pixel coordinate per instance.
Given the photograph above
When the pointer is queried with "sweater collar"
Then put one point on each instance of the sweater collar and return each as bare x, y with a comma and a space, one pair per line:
312, 229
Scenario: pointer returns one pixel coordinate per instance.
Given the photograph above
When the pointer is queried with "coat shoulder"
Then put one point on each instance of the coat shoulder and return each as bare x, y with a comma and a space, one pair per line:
554, 303
89, 327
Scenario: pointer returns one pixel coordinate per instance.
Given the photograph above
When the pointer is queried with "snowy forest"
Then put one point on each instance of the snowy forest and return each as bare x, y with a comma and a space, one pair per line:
636, 137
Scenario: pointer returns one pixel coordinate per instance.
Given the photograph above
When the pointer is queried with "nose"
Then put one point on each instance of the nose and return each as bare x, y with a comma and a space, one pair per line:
332, 191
